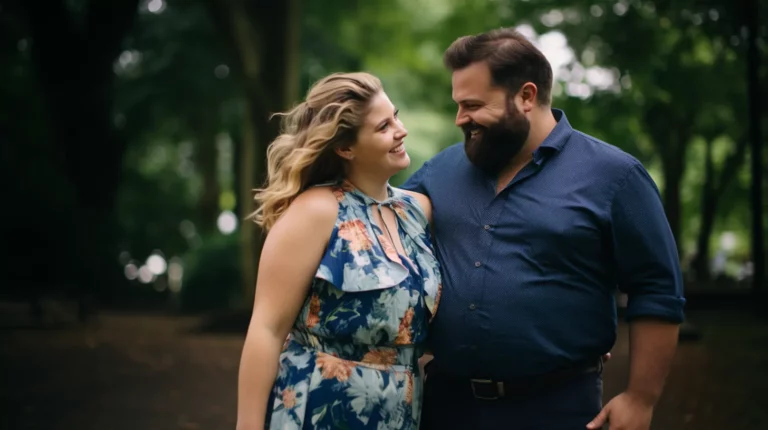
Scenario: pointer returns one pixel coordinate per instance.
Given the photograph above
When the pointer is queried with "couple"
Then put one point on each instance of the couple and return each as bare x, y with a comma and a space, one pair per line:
519, 236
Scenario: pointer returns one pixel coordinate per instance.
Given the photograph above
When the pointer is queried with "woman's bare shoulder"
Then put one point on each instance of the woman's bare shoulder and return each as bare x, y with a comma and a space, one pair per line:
314, 207
423, 200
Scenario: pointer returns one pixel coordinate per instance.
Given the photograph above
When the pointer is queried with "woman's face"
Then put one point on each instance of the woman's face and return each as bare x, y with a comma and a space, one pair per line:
379, 148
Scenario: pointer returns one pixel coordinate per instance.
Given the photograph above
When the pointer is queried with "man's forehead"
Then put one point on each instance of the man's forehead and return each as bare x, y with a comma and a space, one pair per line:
464, 91
471, 82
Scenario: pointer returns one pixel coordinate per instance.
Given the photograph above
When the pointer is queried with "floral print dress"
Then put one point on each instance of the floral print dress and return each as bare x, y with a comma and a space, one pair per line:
350, 361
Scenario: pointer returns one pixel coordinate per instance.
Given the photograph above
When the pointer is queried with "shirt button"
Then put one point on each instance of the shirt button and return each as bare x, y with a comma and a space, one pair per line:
486, 227
472, 307
478, 264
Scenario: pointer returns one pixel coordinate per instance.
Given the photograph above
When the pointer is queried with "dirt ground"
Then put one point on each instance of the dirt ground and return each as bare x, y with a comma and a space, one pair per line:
153, 372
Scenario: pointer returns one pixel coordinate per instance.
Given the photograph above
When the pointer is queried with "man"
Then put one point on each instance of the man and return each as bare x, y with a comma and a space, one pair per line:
536, 225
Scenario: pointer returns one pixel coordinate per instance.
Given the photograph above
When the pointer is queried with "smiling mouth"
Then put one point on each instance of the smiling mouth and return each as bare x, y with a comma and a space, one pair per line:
473, 131
398, 149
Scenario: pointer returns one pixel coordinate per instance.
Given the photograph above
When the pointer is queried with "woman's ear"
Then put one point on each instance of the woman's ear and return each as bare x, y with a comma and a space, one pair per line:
345, 153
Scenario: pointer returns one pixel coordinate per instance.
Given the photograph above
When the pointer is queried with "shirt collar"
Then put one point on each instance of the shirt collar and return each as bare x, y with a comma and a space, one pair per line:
556, 139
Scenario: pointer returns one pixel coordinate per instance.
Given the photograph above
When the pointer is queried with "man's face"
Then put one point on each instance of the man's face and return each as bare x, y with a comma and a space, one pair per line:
495, 130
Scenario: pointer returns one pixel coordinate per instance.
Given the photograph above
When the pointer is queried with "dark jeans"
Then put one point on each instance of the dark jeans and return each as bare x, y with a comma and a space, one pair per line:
565, 405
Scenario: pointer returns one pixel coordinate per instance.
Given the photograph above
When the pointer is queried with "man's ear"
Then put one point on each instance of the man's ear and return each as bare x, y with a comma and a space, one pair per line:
527, 95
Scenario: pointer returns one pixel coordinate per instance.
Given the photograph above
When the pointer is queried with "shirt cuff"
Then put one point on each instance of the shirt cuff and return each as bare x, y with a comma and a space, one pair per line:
657, 306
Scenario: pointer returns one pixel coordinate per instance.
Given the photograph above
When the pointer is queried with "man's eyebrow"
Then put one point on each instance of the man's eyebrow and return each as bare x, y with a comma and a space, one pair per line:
469, 101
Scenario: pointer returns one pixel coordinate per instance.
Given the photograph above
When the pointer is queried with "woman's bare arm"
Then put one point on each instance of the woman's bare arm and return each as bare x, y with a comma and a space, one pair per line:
289, 260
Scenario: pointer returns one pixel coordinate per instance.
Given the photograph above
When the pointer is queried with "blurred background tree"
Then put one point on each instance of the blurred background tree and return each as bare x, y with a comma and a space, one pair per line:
134, 131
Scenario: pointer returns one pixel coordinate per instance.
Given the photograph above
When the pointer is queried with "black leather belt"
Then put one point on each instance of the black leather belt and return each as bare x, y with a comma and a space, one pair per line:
488, 389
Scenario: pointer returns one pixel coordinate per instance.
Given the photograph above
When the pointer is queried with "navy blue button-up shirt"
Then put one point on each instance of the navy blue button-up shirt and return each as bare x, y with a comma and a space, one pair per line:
530, 274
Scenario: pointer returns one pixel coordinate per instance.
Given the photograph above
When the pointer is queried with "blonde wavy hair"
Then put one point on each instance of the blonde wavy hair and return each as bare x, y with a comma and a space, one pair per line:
304, 154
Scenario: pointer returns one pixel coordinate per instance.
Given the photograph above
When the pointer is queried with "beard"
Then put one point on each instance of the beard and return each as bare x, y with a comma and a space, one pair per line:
494, 146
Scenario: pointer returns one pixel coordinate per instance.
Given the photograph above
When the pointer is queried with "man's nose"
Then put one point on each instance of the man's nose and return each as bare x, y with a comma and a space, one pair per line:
462, 118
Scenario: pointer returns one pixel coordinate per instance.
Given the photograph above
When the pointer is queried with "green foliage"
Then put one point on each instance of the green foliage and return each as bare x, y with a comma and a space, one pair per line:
674, 67
211, 274
678, 71
156, 196
174, 70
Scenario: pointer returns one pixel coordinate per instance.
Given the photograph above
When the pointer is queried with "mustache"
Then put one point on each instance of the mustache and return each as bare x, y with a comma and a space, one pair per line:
470, 126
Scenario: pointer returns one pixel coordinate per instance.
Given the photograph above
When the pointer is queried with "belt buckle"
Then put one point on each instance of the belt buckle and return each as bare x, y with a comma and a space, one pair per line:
499, 388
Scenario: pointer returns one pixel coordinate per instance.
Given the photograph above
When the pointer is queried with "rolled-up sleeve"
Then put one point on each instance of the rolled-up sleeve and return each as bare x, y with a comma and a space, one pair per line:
646, 257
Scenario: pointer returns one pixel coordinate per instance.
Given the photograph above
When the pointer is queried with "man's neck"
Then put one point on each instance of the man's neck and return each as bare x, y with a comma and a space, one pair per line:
542, 123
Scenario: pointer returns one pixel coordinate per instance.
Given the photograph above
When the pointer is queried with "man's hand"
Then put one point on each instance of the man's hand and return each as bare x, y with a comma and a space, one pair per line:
624, 412
652, 347
423, 360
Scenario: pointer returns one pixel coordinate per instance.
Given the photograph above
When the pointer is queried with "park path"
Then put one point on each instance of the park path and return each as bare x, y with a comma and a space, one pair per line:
153, 372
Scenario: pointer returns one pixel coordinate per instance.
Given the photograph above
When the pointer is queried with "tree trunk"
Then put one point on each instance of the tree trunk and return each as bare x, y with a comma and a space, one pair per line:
715, 186
755, 136
264, 36
673, 165
670, 134
248, 231
75, 69
206, 157
708, 206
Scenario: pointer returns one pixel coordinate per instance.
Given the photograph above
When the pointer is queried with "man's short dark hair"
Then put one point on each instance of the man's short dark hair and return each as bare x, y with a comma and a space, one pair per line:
511, 57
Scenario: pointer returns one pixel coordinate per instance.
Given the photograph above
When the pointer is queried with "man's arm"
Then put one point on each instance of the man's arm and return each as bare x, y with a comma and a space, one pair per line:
648, 270
652, 345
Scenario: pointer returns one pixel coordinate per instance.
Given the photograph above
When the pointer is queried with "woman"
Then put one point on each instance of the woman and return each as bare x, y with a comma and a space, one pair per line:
347, 272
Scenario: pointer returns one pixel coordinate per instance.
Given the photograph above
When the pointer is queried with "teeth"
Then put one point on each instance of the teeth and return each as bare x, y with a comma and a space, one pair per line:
399, 148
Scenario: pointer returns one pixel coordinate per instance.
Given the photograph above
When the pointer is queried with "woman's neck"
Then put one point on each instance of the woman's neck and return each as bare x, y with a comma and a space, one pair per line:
372, 187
